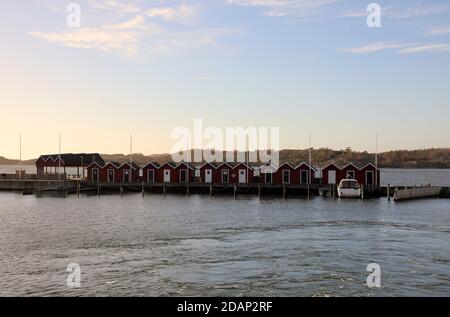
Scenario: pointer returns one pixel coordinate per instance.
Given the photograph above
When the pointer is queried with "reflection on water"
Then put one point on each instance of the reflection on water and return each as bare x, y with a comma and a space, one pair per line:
150, 246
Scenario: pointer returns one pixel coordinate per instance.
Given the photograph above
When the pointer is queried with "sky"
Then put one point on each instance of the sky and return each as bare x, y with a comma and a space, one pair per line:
143, 68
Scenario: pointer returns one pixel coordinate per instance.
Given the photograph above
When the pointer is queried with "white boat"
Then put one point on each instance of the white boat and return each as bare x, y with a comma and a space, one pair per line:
349, 188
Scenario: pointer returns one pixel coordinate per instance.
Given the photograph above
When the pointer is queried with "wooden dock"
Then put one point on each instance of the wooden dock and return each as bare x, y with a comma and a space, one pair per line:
397, 193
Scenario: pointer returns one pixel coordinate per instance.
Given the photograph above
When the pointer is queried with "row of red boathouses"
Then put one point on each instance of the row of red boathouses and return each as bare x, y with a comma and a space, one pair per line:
230, 173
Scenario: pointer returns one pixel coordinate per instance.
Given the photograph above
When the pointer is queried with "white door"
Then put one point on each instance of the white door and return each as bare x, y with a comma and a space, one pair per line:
242, 178
332, 177
166, 176
208, 176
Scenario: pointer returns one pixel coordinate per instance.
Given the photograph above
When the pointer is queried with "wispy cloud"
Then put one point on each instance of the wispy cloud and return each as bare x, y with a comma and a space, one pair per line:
426, 48
402, 48
123, 38
114, 5
418, 10
400, 12
374, 47
440, 30
277, 8
181, 14
134, 37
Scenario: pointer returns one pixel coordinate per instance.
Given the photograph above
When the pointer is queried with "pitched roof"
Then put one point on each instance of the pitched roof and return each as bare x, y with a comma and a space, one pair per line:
75, 159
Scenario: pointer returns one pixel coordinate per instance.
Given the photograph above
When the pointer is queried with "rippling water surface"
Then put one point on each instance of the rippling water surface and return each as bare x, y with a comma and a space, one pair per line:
150, 246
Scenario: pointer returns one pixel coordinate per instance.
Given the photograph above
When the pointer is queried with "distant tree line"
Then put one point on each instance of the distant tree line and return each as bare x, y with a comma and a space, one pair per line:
427, 158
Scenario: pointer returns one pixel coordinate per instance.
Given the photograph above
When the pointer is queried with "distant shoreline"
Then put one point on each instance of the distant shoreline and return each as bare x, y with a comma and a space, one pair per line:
410, 159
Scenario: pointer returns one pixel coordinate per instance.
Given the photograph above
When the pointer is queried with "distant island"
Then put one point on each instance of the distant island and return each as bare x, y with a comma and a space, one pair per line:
427, 158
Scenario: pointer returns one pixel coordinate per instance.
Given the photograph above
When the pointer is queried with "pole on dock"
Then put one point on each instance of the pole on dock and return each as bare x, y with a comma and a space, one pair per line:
210, 190
284, 191
309, 192
78, 189
164, 189
143, 189
121, 191
98, 189
362, 192
234, 191
389, 192
187, 190
259, 190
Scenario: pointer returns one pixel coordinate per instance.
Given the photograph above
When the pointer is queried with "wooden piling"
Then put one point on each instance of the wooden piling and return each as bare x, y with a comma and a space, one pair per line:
210, 190
389, 192
284, 191
234, 191
362, 192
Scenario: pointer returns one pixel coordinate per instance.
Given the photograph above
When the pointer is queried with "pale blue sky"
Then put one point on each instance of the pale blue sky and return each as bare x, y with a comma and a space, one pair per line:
146, 67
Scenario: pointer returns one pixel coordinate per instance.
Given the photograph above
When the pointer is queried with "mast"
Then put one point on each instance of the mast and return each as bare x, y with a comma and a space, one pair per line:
20, 156
59, 158
130, 177
310, 159
376, 159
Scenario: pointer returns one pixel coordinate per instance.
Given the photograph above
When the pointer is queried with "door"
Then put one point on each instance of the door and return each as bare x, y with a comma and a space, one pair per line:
242, 178
268, 178
110, 176
350, 174
183, 178
151, 176
95, 175
304, 177
126, 176
286, 177
166, 176
208, 176
225, 176
369, 178
332, 177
